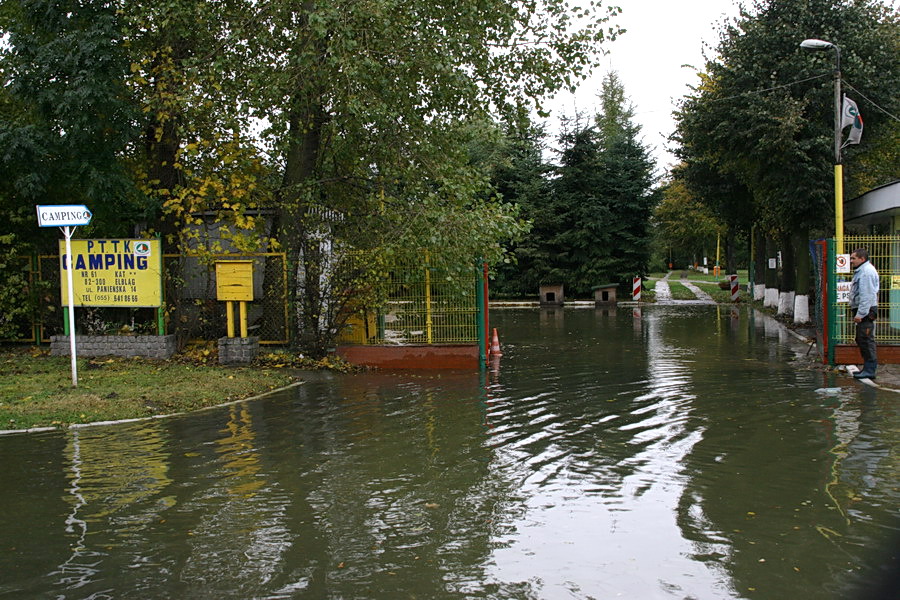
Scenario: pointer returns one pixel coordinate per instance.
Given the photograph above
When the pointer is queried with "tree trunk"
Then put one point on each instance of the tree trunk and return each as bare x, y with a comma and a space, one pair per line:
730, 256
801, 300
291, 221
787, 289
759, 263
771, 278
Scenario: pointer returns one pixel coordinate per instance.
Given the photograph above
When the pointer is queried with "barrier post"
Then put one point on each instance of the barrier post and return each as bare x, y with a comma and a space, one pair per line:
636, 289
735, 287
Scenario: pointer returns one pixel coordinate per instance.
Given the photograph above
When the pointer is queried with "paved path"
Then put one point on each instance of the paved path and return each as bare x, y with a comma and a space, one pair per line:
701, 295
664, 293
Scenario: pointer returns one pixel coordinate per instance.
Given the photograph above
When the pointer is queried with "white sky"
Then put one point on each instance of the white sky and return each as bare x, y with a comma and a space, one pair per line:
662, 36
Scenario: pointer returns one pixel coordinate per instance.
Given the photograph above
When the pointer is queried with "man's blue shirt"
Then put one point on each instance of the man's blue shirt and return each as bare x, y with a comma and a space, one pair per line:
864, 289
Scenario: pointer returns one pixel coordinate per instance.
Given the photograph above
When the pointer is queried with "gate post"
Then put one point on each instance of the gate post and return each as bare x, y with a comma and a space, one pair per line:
481, 318
830, 303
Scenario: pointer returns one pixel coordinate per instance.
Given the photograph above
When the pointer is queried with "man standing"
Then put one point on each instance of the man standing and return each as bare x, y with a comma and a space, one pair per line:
863, 305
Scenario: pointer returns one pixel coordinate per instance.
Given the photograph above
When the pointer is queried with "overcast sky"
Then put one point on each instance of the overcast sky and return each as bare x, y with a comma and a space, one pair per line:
662, 35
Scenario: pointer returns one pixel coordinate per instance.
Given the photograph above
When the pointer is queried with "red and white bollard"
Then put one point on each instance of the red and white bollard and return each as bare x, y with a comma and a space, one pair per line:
636, 289
735, 288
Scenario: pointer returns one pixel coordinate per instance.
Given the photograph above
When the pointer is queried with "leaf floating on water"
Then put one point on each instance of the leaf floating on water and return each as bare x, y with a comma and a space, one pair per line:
432, 505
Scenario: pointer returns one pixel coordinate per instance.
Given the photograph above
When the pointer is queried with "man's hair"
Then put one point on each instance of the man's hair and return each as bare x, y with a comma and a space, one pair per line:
862, 253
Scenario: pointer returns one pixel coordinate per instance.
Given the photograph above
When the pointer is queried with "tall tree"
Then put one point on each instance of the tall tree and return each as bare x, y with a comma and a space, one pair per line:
371, 105
627, 175
521, 176
685, 225
762, 112
594, 225
580, 227
67, 114
367, 112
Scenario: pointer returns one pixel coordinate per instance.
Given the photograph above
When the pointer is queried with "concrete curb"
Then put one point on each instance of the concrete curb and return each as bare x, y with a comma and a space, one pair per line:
849, 369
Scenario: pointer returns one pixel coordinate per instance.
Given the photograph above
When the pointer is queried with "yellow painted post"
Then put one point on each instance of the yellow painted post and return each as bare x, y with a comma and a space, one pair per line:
229, 318
839, 208
718, 252
428, 332
243, 310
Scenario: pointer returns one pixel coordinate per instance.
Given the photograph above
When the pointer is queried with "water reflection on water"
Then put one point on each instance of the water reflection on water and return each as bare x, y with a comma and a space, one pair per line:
669, 452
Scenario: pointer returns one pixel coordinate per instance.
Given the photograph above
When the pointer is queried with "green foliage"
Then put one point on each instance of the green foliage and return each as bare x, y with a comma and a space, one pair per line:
373, 107
349, 124
685, 226
66, 111
762, 114
17, 298
590, 221
521, 176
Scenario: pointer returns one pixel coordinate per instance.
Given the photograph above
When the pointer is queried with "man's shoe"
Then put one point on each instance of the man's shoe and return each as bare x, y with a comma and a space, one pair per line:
864, 374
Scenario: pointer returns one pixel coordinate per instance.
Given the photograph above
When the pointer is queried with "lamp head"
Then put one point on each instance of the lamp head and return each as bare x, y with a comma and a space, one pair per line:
814, 44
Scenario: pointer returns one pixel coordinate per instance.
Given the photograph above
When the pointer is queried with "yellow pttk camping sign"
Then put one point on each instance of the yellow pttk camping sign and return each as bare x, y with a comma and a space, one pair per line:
113, 272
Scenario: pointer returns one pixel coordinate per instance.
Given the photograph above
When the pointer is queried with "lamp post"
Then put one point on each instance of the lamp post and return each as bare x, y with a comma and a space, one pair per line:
814, 44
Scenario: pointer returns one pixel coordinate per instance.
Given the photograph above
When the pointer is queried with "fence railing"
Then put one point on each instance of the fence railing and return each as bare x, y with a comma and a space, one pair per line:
424, 304
884, 254
834, 320
191, 308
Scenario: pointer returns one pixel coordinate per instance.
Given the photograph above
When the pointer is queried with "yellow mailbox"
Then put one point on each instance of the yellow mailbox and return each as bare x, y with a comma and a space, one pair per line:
234, 283
234, 280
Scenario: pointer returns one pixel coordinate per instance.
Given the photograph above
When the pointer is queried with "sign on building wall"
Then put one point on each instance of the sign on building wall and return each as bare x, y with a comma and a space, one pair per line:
113, 272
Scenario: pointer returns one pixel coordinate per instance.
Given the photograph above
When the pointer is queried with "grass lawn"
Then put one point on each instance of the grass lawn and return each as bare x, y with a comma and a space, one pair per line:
698, 276
36, 389
722, 296
679, 292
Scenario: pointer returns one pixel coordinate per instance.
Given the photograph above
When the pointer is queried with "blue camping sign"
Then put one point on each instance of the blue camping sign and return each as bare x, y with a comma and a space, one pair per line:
63, 215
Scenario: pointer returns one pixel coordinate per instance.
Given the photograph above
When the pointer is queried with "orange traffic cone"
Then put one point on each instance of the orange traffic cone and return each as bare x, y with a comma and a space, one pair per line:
495, 345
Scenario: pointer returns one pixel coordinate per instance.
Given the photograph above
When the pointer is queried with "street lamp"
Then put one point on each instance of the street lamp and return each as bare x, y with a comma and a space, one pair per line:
814, 44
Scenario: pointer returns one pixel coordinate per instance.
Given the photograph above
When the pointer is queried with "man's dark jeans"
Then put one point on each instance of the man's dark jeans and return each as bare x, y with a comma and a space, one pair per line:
865, 339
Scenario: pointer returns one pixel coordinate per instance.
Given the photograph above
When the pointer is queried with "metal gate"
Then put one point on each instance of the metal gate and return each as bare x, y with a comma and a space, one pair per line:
834, 323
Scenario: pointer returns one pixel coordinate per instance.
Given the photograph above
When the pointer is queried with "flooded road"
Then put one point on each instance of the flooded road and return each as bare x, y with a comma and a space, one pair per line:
684, 453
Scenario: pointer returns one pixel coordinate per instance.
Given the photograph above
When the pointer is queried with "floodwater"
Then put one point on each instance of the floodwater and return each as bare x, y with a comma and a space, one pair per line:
688, 452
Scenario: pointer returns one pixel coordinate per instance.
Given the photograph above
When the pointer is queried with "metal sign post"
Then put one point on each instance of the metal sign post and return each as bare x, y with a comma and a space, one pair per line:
67, 217
67, 231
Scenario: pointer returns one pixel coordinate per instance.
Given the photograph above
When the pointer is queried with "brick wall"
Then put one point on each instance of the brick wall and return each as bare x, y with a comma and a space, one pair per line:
152, 346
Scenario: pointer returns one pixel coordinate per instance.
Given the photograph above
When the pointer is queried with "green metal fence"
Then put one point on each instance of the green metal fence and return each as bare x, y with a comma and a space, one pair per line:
884, 254
192, 311
423, 304
834, 320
